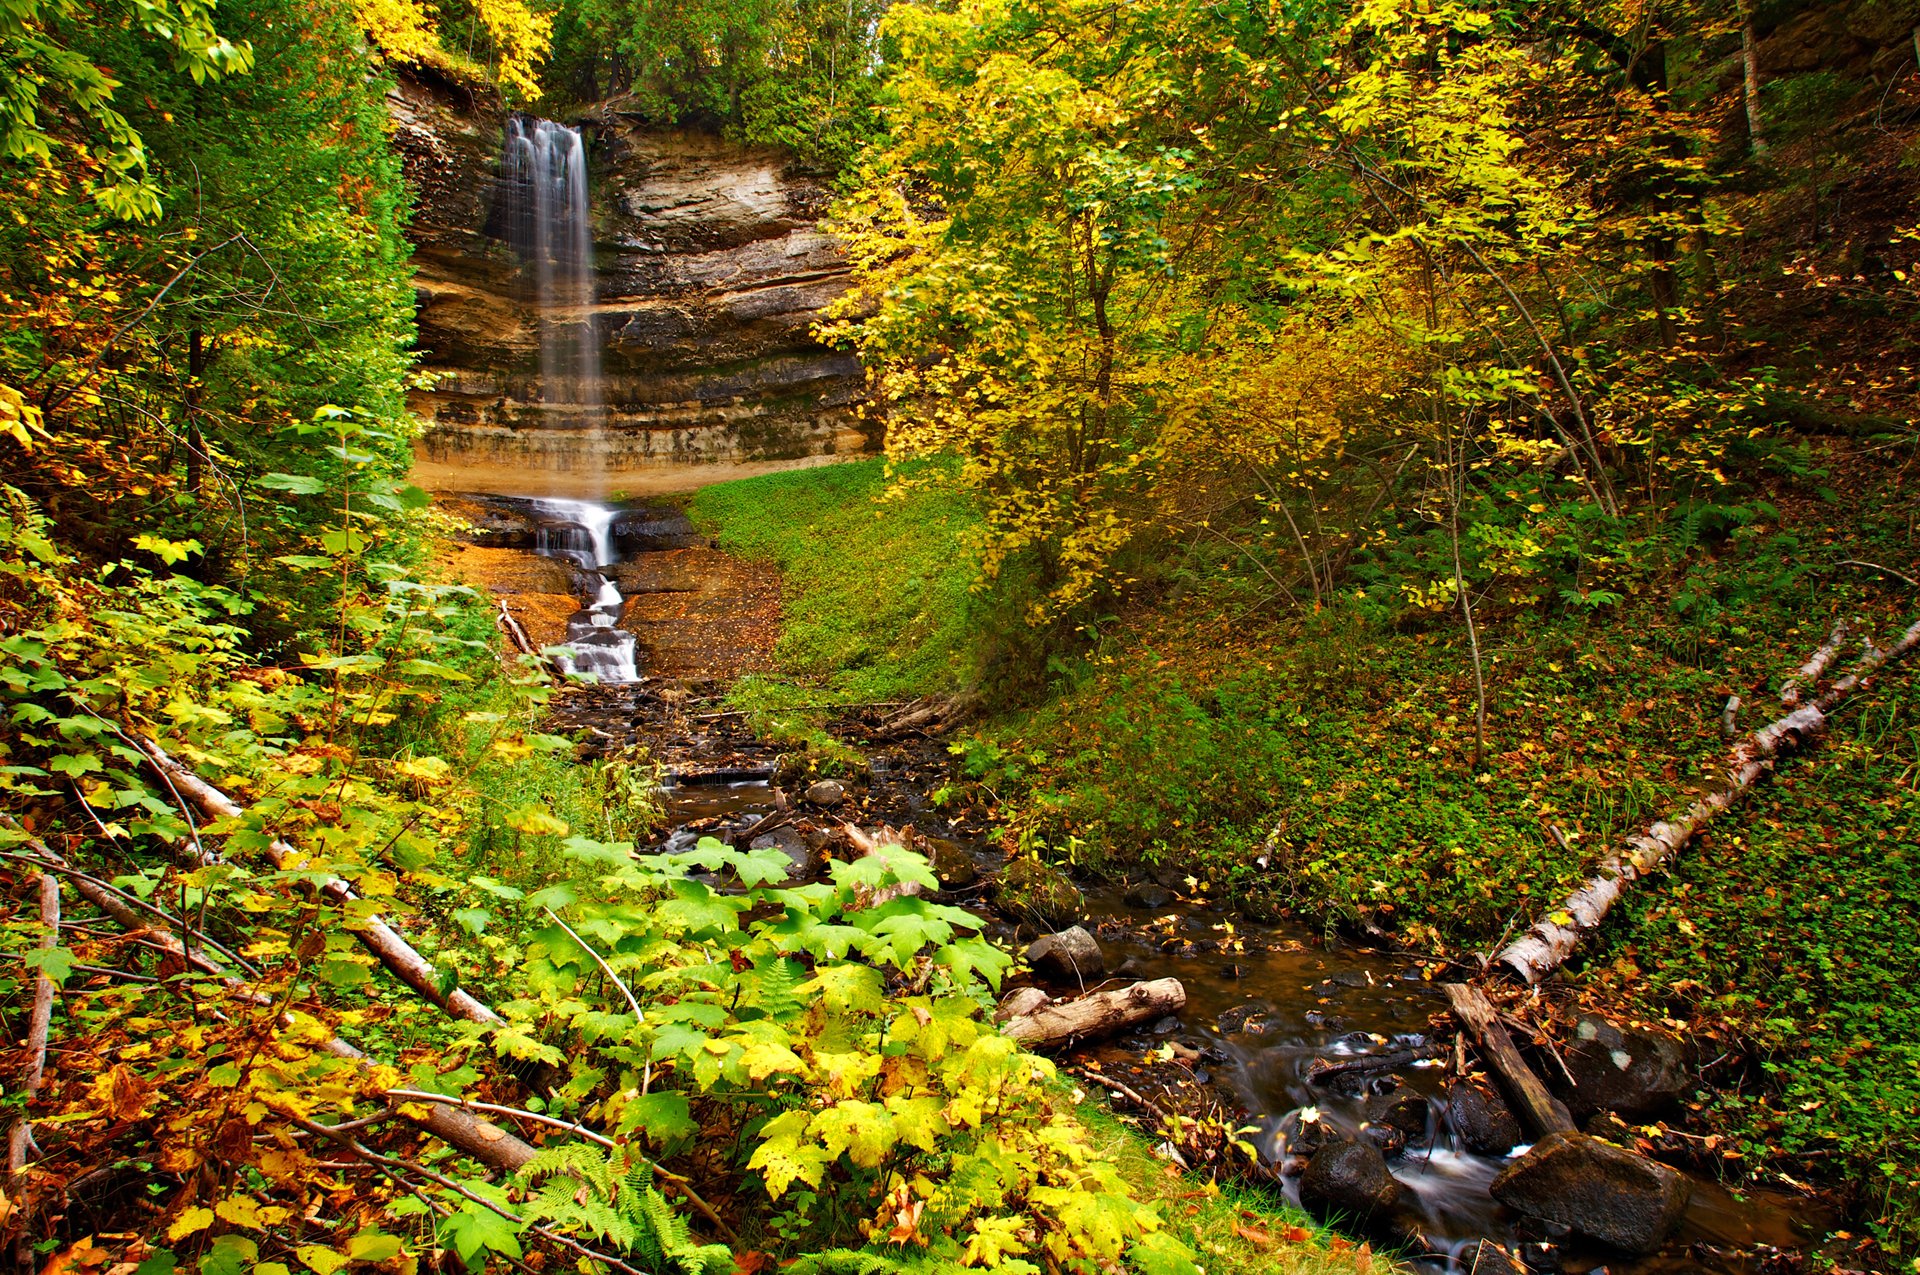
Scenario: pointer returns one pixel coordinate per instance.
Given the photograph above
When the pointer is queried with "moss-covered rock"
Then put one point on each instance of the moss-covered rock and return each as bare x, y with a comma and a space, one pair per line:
1028, 889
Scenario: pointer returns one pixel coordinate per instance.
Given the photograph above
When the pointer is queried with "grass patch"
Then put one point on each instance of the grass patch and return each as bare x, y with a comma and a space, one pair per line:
875, 585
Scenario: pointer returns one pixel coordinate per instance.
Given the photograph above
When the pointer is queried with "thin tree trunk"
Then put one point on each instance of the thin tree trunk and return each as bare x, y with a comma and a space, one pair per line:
40, 1026
1750, 80
1555, 936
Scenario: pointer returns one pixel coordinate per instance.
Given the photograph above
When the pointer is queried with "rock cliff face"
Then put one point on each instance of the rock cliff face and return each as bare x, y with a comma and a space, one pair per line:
712, 272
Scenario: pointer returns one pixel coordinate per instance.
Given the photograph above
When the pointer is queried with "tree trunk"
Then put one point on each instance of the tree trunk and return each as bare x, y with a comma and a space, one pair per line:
1555, 936
1750, 80
196, 440
1097, 1014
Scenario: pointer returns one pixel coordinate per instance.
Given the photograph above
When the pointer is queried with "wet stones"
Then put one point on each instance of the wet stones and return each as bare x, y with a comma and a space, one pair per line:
1406, 1112
1068, 957
1488, 1258
1480, 1120
1032, 889
1149, 896
952, 864
1633, 1071
1349, 1178
826, 793
1596, 1189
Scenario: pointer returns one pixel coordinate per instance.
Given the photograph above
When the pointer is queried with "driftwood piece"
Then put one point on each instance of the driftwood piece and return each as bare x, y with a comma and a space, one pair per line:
375, 934
40, 1025
486, 1142
1097, 1014
1542, 1113
1326, 1070
1555, 935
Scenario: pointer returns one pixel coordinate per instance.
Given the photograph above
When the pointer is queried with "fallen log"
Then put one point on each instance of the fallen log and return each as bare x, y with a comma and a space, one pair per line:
1556, 935
1542, 1113
1324, 1071
517, 636
375, 934
1096, 1014
485, 1141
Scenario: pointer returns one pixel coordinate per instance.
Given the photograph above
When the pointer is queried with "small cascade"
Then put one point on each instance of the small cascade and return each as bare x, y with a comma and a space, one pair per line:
543, 192
581, 532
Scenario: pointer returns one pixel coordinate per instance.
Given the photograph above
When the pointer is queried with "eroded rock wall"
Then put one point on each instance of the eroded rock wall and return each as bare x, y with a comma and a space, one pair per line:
712, 273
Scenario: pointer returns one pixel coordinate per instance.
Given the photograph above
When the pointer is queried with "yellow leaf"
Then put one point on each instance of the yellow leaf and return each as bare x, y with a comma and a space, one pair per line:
241, 1210
194, 1219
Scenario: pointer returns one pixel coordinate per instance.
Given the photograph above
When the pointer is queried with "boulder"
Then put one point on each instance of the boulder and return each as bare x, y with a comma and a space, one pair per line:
1633, 1071
1070, 957
1488, 1258
826, 792
1028, 888
952, 864
1480, 1119
1596, 1189
1350, 1179
1149, 896
1406, 1112
791, 844
1304, 1136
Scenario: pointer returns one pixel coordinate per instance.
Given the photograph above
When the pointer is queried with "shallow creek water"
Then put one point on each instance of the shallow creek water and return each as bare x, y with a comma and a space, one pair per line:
1266, 1005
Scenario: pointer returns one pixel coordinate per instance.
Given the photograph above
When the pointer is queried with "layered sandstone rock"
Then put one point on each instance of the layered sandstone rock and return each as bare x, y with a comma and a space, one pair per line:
712, 274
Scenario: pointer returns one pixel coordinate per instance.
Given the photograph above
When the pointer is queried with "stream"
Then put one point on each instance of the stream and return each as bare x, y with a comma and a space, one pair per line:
1272, 1011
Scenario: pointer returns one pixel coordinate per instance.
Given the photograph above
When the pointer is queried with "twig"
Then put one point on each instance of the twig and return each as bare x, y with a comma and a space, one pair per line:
605, 968
1874, 566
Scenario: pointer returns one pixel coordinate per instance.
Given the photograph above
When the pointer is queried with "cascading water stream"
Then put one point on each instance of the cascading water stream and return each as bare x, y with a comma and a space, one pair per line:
581, 532
543, 175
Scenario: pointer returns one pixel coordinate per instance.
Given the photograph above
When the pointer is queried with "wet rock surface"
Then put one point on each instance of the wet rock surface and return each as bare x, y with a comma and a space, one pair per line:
1636, 1072
1484, 1123
1349, 1179
1032, 890
1069, 957
1597, 1190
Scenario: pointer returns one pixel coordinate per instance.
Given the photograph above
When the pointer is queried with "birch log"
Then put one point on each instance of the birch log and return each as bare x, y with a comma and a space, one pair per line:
375, 934
1555, 936
1097, 1014
40, 1026
485, 1141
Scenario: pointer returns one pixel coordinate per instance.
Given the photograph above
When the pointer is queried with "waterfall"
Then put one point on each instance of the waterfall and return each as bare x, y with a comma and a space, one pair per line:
581, 532
544, 191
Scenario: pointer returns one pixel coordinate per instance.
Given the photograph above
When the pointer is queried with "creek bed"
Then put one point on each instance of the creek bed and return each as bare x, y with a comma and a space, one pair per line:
1266, 1005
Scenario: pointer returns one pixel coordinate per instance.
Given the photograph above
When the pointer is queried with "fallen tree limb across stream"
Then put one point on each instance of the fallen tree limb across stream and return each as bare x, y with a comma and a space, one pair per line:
1557, 934
1097, 1014
1475, 1012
